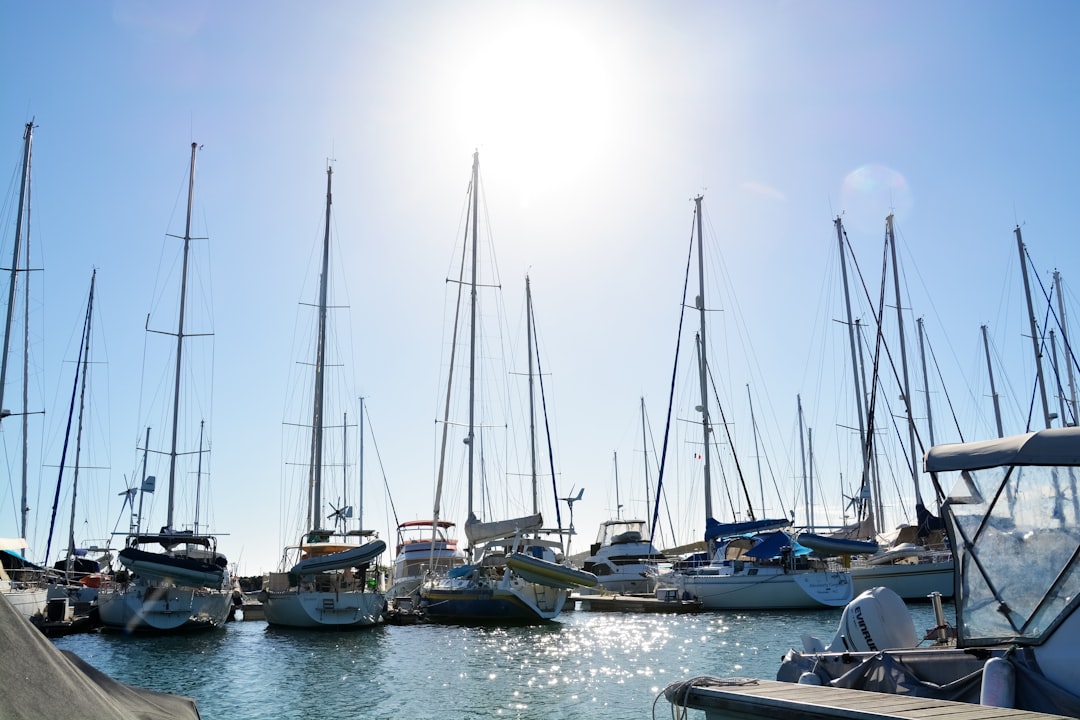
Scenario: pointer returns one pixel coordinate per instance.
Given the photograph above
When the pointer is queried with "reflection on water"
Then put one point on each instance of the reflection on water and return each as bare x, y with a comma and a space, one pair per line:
586, 664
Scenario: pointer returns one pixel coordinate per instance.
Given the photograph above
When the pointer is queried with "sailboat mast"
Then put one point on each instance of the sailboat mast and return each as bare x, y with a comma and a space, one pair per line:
993, 390
360, 474
472, 328
532, 401
1034, 327
28, 136
1065, 341
78, 433
315, 478
703, 361
618, 501
890, 238
142, 487
802, 456
926, 382
180, 343
198, 475
859, 397
757, 450
645, 452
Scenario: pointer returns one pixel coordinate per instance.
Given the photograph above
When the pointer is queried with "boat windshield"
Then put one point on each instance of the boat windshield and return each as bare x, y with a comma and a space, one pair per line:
1016, 530
622, 531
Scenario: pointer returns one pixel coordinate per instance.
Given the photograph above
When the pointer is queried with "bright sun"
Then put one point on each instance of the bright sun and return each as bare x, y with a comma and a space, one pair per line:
535, 95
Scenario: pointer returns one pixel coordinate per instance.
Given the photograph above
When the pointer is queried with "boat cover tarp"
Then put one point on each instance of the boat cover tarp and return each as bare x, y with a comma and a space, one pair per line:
40, 681
1056, 446
715, 529
770, 546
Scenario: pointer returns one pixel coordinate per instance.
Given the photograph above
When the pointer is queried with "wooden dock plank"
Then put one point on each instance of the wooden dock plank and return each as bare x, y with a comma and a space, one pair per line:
741, 699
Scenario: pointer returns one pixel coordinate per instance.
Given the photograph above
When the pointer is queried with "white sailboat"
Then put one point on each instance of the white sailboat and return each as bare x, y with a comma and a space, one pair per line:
174, 579
752, 564
512, 574
323, 581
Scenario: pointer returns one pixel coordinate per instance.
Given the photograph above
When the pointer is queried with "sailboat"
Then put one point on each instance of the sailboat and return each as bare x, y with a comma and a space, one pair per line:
21, 581
323, 582
174, 579
751, 564
512, 574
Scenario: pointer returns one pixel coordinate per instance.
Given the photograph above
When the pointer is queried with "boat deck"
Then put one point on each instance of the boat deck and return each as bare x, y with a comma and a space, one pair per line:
634, 604
744, 699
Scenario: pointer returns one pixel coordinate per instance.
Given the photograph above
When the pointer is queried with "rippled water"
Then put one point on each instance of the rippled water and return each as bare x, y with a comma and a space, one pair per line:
585, 664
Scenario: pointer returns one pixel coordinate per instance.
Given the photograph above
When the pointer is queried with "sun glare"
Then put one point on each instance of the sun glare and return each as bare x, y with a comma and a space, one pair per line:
535, 96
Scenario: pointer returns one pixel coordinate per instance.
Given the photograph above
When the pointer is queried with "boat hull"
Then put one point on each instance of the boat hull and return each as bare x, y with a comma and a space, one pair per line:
473, 597
26, 601
317, 609
910, 581
148, 607
780, 591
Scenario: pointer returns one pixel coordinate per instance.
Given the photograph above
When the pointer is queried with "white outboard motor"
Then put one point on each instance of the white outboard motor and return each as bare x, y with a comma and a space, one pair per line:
876, 620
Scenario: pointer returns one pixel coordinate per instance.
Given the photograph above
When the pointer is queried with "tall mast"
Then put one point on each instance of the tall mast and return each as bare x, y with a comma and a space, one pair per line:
180, 343
618, 501
344, 466
872, 492
703, 361
1068, 347
926, 383
1036, 345
1057, 376
28, 136
198, 475
315, 511
360, 472
137, 525
890, 238
802, 456
78, 435
532, 402
757, 451
858, 386
472, 328
993, 390
645, 452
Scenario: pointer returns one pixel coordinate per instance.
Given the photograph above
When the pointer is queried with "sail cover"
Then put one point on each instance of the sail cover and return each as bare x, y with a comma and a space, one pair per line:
477, 531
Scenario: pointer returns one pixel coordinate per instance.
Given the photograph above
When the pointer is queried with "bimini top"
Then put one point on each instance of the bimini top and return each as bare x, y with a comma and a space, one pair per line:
1056, 446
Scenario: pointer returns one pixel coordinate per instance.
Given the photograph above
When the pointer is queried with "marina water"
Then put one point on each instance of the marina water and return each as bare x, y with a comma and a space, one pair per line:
584, 664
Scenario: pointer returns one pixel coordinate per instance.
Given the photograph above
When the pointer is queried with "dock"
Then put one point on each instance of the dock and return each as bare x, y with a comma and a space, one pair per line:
634, 604
744, 699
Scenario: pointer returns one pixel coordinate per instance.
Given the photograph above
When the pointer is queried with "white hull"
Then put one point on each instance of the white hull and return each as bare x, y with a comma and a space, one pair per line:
773, 591
143, 606
314, 609
26, 601
510, 599
909, 581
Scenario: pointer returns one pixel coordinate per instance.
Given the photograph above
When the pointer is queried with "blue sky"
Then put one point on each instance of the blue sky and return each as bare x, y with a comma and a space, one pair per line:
597, 123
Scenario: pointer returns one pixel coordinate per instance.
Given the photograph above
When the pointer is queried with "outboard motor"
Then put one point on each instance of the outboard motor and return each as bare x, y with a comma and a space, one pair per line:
876, 620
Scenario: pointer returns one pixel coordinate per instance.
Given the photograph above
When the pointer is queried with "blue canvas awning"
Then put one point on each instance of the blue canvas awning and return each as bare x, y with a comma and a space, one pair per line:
770, 546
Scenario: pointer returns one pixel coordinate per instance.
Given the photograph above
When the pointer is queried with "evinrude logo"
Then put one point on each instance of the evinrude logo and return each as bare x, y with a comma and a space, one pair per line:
863, 629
